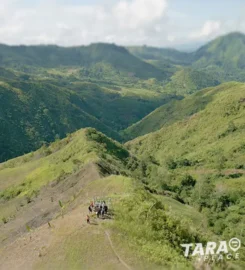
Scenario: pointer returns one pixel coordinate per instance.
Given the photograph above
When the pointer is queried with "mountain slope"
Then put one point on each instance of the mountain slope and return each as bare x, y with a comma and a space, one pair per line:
184, 81
34, 111
217, 120
200, 160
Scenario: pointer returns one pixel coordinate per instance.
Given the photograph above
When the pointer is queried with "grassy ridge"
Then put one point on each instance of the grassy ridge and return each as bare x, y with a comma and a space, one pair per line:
21, 179
58, 160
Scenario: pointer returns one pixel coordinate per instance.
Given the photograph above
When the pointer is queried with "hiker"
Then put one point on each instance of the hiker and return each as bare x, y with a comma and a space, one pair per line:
88, 219
96, 204
106, 209
102, 211
98, 212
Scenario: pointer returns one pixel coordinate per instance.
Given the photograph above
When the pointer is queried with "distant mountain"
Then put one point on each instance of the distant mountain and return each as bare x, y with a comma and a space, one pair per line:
167, 55
224, 57
84, 56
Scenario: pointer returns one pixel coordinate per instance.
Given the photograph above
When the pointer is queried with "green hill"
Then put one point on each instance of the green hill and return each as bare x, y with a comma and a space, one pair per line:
199, 159
116, 57
224, 57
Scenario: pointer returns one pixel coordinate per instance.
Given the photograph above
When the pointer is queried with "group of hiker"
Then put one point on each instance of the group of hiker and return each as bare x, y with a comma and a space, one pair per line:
99, 207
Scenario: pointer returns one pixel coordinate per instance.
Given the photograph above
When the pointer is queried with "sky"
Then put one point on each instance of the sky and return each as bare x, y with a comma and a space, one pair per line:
160, 23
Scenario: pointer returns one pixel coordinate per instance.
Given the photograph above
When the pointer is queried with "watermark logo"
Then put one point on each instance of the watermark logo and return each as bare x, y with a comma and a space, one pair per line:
234, 244
214, 251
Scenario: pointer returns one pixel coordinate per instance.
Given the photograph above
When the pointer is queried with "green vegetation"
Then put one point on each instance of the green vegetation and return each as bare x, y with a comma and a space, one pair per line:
182, 182
187, 81
200, 160
49, 91
152, 224
205, 133
153, 230
59, 160
162, 55
174, 111
85, 56
224, 57
147, 222
37, 111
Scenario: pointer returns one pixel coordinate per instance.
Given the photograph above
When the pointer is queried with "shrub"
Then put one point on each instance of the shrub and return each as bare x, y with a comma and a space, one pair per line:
4, 220
188, 181
171, 164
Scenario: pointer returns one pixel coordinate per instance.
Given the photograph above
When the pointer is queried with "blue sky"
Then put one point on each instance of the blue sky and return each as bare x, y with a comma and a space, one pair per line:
162, 23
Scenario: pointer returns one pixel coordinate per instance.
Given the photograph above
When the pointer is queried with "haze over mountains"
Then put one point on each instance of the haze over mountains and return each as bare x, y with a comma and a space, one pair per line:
170, 158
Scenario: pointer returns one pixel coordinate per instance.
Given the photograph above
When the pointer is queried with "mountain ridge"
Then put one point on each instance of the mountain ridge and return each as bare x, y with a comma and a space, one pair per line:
55, 56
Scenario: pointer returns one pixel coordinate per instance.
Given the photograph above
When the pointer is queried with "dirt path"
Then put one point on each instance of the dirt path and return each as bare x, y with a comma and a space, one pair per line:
114, 250
212, 171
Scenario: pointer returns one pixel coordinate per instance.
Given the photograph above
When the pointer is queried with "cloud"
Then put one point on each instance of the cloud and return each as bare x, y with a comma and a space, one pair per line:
47, 21
171, 38
209, 28
138, 13
126, 22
